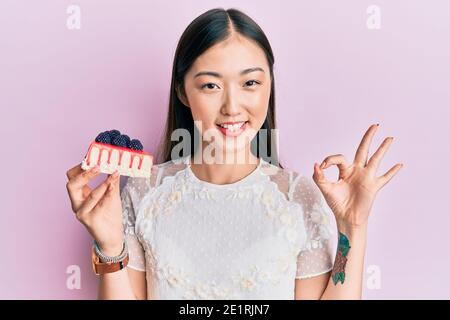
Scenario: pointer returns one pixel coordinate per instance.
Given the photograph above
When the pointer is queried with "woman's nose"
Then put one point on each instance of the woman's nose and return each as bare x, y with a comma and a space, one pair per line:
231, 105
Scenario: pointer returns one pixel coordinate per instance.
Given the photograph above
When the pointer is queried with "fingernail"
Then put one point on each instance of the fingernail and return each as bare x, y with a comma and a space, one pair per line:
115, 174
96, 169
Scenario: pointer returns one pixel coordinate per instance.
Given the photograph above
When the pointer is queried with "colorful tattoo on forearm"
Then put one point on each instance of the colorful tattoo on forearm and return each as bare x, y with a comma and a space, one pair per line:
338, 273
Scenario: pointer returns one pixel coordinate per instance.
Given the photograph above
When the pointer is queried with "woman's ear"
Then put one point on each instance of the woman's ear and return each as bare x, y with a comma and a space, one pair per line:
182, 95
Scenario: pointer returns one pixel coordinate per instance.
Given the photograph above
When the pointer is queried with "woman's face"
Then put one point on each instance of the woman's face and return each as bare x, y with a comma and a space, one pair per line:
230, 82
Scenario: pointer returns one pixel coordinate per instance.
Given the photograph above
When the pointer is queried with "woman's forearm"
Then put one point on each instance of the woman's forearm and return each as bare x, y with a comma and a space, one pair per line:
115, 286
347, 275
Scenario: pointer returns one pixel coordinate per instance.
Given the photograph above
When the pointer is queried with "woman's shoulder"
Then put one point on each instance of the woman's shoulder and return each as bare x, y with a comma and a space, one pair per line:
296, 185
301, 189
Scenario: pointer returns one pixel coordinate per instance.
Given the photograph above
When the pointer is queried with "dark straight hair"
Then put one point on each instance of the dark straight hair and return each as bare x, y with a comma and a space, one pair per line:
202, 33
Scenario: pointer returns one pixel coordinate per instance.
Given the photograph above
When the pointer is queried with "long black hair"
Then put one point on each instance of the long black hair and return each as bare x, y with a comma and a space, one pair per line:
202, 33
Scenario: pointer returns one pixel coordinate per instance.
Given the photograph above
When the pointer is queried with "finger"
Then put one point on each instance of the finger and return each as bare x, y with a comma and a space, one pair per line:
94, 197
74, 171
363, 148
77, 186
117, 183
319, 176
389, 175
338, 160
81, 179
376, 158
111, 191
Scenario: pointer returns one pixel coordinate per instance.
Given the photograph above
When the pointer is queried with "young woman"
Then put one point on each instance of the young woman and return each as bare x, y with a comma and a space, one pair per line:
204, 228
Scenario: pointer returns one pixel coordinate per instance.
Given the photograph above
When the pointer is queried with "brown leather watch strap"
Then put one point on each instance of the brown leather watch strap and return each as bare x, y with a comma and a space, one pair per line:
102, 267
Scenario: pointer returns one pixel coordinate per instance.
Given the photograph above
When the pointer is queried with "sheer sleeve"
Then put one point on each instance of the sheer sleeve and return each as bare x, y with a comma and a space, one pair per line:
316, 256
131, 195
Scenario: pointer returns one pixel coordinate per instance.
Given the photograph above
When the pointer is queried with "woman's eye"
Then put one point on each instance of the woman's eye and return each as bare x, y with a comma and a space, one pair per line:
251, 81
208, 85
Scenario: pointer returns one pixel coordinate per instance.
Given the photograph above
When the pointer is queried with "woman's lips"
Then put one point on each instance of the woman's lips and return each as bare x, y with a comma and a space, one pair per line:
234, 133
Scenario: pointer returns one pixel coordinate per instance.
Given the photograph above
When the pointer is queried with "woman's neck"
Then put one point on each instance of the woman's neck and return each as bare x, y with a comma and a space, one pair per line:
225, 171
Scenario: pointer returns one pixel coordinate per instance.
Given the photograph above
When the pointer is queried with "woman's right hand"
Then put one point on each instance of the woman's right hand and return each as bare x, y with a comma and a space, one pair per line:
100, 209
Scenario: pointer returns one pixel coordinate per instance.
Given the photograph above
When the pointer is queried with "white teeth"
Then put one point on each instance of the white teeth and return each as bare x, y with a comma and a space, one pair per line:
232, 127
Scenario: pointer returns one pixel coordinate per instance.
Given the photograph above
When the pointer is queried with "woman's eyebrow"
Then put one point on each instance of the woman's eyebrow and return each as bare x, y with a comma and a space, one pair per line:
218, 75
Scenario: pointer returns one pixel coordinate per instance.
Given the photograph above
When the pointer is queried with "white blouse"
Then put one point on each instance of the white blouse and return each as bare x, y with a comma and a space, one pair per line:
246, 240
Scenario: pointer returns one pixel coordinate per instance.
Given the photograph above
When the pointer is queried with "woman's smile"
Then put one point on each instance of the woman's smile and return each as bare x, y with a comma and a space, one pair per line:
232, 129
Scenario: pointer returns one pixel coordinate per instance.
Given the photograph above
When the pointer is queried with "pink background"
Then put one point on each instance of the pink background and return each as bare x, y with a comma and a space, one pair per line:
334, 77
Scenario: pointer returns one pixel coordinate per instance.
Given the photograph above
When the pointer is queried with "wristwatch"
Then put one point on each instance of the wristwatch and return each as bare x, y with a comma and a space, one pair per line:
106, 267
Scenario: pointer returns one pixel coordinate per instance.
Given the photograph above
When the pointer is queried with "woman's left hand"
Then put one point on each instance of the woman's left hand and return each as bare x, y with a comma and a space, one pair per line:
352, 196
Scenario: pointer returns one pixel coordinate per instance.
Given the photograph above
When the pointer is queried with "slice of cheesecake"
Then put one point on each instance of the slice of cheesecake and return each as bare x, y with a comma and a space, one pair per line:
129, 162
